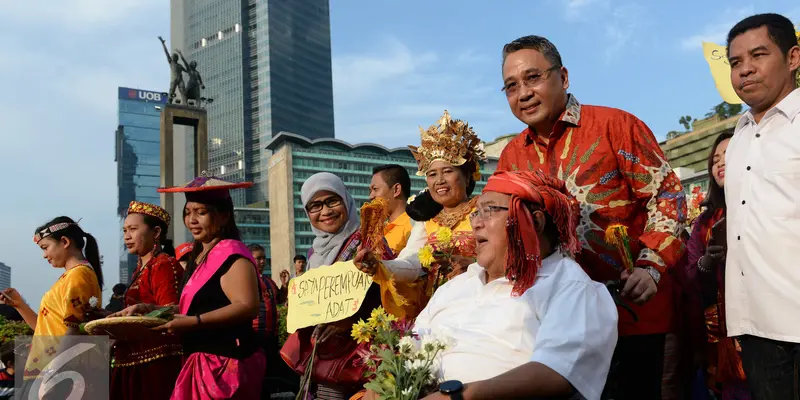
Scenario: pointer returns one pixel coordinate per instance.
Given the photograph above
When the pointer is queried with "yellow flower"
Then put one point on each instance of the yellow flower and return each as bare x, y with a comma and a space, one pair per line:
362, 332
379, 319
426, 256
444, 236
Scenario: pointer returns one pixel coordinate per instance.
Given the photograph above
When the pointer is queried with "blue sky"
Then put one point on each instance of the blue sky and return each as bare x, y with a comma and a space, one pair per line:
397, 65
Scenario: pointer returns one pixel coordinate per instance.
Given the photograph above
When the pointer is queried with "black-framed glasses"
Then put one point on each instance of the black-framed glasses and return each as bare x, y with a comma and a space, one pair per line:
485, 213
533, 79
316, 206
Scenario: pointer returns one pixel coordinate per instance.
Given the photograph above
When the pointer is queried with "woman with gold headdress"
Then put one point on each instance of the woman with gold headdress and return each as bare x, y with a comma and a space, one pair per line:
148, 370
448, 157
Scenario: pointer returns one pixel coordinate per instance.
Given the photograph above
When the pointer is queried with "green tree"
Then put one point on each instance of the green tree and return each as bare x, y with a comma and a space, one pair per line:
724, 110
11, 329
686, 121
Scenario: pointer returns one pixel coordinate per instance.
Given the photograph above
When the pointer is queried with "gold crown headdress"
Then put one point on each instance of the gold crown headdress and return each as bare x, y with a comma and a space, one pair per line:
451, 141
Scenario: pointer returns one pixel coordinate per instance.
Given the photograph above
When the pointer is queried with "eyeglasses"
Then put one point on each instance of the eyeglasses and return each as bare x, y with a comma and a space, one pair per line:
316, 206
485, 213
532, 80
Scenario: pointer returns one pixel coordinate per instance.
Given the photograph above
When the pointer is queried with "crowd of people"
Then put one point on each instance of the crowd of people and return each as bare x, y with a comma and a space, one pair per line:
536, 299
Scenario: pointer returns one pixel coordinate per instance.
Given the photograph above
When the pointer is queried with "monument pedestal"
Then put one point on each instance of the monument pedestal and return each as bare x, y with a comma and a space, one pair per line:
184, 155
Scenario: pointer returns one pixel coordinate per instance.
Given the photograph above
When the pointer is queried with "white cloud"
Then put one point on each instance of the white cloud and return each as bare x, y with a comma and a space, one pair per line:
578, 9
83, 15
393, 91
716, 31
624, 22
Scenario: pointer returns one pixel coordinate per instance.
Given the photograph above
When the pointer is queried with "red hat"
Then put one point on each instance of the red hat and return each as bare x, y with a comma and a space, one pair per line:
183, 250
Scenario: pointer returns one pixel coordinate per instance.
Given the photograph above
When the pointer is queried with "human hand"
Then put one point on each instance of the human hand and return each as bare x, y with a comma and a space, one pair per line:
136, 309
370, 395
284, 278
11, 297
639, 285
366, 261
323, 332
180, 323
714, 255
436, 396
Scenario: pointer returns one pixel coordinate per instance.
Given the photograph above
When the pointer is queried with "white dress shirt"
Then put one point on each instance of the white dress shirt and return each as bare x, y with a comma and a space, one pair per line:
565, 321
762, 192
406, 266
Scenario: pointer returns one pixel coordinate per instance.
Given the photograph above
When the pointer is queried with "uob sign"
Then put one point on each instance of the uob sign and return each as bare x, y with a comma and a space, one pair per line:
142, 95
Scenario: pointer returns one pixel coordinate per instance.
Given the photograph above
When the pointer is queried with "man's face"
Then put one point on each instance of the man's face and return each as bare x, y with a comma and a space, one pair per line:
760, 72
536, 90
261, 259
379, 188
299, 267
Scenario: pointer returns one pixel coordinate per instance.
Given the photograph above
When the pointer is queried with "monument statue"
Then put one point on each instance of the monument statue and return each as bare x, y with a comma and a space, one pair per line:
195, 83
176, 77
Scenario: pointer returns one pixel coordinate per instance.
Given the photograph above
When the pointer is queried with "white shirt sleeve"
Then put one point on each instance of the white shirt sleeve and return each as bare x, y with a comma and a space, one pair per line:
406, 267
577, 334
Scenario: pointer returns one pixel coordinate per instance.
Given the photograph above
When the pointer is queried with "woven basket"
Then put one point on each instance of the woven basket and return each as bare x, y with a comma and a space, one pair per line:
126, 329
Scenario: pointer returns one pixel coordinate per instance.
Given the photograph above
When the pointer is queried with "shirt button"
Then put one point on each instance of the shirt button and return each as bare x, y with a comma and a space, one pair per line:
738, 238
743, 202
742, 273
758, 135
748, 168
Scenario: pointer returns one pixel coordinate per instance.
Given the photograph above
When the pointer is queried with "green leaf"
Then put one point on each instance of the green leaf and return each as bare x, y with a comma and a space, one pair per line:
163, 313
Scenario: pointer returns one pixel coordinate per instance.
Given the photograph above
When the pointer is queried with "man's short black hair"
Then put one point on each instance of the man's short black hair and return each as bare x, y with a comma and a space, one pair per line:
7, 353
538, 43
394, 174
119, 289
300, 257
256, 247
779, 28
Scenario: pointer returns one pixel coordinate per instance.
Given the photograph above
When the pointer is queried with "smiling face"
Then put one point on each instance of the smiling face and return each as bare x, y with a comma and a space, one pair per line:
55, 251
535, 89
446, 183
139, 238
718, 166
203, 222
327, 211
761, 73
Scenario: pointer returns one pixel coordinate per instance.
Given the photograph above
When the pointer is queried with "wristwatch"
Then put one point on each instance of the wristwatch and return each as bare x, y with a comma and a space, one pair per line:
453, 389
654, 274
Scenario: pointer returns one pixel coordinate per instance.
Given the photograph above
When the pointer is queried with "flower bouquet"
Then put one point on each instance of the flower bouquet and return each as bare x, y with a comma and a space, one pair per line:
400, 366
436, 257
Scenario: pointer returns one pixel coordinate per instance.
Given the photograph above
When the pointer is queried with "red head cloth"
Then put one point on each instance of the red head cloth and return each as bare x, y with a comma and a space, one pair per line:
523, 260
183, 250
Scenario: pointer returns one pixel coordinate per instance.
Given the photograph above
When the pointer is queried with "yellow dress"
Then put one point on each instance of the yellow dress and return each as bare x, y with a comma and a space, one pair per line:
405, 289
62, 307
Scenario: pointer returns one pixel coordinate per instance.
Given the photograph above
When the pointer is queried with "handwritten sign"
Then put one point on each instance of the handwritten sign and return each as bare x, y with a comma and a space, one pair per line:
326, 294
717, 57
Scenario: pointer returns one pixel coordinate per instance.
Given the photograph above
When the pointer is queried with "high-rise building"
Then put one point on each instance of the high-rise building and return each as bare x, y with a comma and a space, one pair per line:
138, 149
296, 158
267, 66
5, 276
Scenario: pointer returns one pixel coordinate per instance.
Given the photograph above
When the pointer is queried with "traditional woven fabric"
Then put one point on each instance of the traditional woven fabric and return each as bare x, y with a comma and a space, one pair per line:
38, 236
138, 207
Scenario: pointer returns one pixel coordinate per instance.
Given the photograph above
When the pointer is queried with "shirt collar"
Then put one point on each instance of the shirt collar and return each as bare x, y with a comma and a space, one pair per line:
571, 115
548, 267
789, 107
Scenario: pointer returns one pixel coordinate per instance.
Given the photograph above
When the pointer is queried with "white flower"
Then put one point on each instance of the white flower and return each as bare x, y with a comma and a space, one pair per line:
93, 302
415, 365
408, 345
407, 391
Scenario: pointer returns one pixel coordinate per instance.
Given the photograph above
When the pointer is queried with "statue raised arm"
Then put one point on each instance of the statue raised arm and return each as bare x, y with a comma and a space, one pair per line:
176, 74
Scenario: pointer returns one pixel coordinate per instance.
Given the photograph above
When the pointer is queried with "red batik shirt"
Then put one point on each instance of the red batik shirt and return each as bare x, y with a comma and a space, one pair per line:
612, 164
156, 282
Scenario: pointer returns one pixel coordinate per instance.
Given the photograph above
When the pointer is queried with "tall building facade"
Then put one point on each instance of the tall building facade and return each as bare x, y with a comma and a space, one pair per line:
296, 158
253, 224
267, 66
138, 149
5, 276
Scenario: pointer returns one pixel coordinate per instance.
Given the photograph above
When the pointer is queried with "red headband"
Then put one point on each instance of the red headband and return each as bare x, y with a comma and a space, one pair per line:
523, 259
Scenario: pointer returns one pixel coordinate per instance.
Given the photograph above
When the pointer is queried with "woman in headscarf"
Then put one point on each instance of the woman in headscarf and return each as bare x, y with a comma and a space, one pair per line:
219, 299
335, 223
66, 246
706, 266
449, 158
148, 370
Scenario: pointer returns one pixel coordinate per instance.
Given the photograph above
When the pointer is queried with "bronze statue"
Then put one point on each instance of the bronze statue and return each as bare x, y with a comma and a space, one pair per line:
176, 77
195, 80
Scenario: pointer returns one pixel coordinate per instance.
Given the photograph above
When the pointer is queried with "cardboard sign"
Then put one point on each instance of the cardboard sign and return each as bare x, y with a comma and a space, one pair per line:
326, 294
717, 57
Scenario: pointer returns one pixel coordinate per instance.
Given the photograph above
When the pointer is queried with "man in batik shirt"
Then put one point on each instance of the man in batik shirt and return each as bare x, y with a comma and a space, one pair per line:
612, 164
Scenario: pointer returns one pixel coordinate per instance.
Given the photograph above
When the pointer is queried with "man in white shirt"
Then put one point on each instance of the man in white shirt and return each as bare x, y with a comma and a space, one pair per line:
762, 191
525, 321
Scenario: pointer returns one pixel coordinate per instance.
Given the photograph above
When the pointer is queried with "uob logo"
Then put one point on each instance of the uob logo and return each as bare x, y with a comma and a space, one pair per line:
149, 96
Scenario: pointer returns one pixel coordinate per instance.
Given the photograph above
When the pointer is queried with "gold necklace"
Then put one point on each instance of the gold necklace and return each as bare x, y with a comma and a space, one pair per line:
449, 219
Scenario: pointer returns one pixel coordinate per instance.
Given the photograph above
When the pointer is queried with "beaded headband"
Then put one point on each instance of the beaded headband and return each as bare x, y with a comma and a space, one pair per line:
451, 141
38, 236
137, 207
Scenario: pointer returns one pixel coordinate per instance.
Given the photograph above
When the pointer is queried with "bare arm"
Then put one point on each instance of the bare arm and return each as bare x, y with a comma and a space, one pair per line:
28, 315
528, 380
166, 52
186, 63
240, 285
12, 298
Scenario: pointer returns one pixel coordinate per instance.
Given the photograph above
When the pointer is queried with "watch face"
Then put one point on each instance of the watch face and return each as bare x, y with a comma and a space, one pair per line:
451, 387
